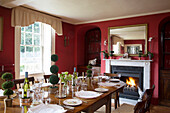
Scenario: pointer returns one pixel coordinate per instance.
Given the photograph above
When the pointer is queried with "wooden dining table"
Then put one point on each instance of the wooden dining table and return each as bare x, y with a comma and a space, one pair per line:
88, 105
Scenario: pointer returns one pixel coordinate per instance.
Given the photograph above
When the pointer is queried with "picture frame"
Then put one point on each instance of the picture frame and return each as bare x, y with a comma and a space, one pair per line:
132, 48
1, 33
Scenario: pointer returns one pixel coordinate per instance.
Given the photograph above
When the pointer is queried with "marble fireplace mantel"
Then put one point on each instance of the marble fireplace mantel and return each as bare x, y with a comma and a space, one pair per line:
137, 63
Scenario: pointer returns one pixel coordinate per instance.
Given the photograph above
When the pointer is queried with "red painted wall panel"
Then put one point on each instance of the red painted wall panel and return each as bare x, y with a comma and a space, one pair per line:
7, 55
65, 53
153, 22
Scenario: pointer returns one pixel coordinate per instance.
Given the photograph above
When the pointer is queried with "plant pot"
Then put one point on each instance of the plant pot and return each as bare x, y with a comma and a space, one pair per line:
53, 90
8, 102
150, 56
89, 82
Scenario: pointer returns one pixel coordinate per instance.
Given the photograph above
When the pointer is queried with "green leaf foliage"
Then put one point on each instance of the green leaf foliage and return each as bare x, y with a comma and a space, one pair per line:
54, 79
89, 71
54, 57
8, 92
89, 67
54, 69
89, 75
7, 76
8, 85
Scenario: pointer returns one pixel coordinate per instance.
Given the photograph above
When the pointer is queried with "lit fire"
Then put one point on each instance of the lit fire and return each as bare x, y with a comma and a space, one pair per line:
130, 82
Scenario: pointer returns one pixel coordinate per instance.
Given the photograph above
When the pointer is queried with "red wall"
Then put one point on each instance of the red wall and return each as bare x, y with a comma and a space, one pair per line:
153, 22
65, 54
7, 55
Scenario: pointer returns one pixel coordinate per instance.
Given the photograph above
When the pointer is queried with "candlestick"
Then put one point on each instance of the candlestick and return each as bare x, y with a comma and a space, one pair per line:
60, 89
83, 76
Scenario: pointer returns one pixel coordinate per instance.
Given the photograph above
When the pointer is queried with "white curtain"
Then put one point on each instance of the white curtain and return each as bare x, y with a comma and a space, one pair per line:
24, 17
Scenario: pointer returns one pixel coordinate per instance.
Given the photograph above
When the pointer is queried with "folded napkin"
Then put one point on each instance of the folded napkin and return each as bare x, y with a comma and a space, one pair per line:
46, 84
49, 108
1, 92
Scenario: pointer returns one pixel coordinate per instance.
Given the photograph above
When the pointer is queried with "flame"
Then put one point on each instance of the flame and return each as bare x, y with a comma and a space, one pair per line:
131, 82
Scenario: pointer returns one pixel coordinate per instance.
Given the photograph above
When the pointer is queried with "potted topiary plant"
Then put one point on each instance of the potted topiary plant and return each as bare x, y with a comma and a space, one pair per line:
89, 71
105, 54
7, 85
54, 77
150, 55
89, 75
111, 54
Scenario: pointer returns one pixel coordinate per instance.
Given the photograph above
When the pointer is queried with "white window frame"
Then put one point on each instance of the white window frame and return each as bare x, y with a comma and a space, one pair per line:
41, 48
17, 51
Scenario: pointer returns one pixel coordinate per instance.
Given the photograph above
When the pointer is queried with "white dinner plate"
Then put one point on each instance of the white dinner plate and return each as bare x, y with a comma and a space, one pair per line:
87, 94
101, 90
72, 102
114, 80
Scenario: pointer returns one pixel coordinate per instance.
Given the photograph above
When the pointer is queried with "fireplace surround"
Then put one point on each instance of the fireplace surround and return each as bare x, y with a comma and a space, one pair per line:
142, 65
136, 74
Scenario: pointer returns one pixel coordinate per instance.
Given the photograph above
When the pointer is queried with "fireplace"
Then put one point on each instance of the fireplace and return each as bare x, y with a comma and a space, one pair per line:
133, 76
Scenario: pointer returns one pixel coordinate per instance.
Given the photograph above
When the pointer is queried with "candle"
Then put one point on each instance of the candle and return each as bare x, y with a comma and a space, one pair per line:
83, 76
60, 89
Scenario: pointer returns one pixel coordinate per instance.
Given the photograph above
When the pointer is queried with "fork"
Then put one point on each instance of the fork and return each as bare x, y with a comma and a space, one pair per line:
67, 107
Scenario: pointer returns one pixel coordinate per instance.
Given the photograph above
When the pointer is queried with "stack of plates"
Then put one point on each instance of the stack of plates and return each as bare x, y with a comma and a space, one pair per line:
87, 94
101, 90
114, 80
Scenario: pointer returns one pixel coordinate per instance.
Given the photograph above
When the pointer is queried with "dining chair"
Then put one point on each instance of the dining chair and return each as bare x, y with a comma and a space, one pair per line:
21, 81
46, 77
115, 95
141, 107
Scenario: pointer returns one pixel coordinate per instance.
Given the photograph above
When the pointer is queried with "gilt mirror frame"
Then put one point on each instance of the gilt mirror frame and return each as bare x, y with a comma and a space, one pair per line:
128, 26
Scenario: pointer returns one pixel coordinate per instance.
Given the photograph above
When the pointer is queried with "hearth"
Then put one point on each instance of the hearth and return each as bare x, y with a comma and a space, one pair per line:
133, 76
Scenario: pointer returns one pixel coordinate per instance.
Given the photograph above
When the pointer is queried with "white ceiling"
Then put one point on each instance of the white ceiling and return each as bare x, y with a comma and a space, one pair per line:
86, 11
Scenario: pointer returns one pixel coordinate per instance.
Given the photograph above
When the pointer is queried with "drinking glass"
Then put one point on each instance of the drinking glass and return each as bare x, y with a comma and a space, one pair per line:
84, 87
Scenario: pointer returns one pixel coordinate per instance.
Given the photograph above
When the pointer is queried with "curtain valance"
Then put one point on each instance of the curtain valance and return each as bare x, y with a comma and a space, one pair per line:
24, 17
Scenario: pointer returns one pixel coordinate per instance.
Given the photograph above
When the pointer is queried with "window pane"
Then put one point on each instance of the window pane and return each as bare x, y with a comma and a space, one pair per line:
28, 28
28, 38
37, 27
22, 68
22, 28
29, 51
22, 49
37, 52
22, 38
36, 39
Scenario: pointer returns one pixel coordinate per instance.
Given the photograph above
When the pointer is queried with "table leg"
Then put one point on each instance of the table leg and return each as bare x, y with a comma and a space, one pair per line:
108, 105
116, 99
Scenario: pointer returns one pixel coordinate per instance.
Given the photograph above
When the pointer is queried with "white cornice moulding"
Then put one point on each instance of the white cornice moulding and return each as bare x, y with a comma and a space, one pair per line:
13, 3
123, 17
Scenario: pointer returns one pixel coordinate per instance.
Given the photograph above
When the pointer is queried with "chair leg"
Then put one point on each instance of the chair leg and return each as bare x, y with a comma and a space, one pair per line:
118, 102
115, 102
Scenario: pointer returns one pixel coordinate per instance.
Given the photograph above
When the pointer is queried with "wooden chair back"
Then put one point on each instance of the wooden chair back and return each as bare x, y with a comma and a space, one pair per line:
46, 77
144, 106
111, 74
21, 81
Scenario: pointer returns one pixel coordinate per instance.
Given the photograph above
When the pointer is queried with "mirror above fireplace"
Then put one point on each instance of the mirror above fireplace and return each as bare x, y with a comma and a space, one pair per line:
128, 39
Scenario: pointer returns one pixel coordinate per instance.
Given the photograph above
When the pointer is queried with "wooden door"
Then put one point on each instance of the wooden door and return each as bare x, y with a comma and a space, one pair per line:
164, 92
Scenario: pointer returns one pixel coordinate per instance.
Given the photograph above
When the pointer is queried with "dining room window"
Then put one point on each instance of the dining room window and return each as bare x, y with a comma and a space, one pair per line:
36, 46
31, 49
